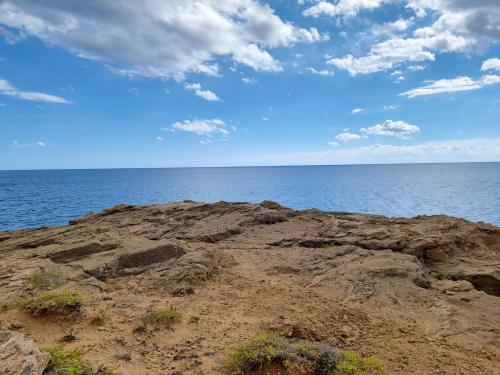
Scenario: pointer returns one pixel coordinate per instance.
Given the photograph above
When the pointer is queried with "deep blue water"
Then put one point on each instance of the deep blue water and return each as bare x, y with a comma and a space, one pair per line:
469, 190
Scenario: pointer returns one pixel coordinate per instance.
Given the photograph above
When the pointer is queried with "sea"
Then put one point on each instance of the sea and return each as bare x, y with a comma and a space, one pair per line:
37, 198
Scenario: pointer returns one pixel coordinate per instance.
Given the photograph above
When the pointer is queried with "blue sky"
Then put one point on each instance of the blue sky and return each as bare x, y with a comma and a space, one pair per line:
241, 82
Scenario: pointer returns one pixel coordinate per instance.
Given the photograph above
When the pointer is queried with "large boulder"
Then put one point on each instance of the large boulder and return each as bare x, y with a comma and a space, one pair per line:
19, 355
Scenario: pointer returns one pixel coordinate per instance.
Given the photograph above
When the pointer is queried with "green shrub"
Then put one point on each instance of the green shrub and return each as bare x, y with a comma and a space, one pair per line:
351, 363
65, 361
163, 317
274, 349
63, 302
99, 318
69, 362
46, 280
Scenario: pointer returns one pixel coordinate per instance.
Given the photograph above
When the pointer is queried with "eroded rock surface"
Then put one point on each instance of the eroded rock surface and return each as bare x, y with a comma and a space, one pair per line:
20, 356
420, 293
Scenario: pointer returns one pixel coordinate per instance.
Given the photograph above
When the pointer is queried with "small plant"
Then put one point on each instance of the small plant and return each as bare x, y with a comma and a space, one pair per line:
319, 359
46, 280
351, 363
64, 302
163, 317
99, 318
444, 275
65, 361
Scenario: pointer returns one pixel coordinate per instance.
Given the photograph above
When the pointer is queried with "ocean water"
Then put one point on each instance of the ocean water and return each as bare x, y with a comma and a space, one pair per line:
52, 197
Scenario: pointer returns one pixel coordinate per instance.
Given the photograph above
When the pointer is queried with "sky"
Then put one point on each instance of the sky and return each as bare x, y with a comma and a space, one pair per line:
117, 84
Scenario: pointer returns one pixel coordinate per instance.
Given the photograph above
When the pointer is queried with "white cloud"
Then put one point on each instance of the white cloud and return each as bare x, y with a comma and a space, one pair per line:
400, 129
323, 72
159, 139
357, 110
205, 94
249, 80
334, 144
187, 35
348, 136
457, 84
17, 144
202, 127
459, 26
264, 118
7, 89
396, 51
491, 64
416, 67
346, 8
390, 107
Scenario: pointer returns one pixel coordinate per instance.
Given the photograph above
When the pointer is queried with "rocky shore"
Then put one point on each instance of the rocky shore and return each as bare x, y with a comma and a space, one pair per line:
183, 288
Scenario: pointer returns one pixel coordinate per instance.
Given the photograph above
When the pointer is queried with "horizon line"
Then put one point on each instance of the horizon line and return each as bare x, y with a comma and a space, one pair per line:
245, 166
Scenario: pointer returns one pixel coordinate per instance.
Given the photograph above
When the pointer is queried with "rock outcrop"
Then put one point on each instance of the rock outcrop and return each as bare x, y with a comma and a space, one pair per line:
20, 355
420, 293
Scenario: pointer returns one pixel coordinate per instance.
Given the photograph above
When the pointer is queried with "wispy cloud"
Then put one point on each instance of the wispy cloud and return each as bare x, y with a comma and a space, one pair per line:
17, 144
9, 90
357, 110
457, 84
323, 72
205, 94
348, 136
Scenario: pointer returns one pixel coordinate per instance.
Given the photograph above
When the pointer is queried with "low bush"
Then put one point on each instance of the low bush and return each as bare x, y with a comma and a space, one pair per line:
319, 359
163, 318
69, 362
99, 318
46, 280
65, 361
63, 302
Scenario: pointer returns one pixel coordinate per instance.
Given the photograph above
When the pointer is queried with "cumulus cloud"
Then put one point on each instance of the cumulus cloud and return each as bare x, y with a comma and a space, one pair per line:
348, 136
459, 26
205, 94
345, 8
187, 35
491, 64
400, 129
357, 110
202, 127
457, 84
323, 72
7, 89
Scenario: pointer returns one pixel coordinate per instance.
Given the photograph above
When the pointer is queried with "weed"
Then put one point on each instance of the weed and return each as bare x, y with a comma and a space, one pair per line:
163, 317
351, 363
65, 361
63, 302
99, 318
46, 280
444, 275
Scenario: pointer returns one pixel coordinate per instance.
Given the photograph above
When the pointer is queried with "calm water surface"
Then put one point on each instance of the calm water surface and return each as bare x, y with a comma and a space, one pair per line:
469, 190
